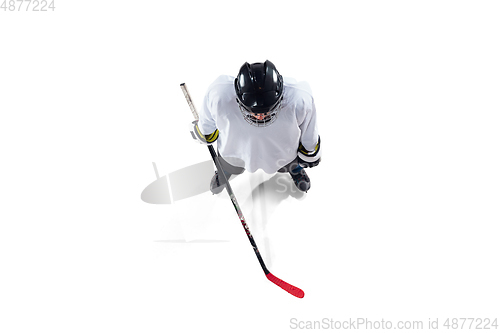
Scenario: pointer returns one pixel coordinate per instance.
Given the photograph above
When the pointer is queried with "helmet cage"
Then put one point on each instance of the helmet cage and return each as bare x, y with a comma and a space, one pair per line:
270, 114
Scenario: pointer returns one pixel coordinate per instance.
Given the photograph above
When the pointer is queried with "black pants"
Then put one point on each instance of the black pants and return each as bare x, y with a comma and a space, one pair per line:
230, 169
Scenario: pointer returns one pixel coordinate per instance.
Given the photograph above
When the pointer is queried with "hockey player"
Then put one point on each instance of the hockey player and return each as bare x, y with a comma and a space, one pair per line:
260, 120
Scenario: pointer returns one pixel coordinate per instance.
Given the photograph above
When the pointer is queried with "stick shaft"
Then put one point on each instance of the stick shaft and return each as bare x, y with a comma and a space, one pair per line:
237, 208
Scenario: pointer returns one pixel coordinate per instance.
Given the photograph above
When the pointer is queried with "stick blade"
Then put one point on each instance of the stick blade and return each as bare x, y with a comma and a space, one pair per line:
297, 292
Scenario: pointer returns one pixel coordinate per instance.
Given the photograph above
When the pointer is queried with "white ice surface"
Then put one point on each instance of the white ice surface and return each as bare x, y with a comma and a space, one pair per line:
401, 222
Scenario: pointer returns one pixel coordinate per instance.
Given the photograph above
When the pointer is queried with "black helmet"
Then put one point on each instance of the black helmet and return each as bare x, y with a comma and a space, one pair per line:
259, 91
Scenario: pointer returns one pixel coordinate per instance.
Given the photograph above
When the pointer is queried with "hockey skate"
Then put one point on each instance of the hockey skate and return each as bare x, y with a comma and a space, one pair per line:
301, 180
217, 184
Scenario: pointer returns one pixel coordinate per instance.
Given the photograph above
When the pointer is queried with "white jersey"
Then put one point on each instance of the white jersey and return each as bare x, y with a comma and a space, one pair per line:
268, 148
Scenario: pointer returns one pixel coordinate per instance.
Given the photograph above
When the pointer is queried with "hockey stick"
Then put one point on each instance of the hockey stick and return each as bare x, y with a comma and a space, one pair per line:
297, 292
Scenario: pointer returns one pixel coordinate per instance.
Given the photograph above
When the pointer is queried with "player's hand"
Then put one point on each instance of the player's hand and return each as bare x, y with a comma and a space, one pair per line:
309, 159
198, 136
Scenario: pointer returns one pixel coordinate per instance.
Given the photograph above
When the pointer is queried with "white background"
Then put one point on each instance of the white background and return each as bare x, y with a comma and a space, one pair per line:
401, 222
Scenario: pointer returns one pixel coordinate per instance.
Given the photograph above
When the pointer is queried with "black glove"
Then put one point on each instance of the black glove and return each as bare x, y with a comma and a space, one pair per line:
309, 159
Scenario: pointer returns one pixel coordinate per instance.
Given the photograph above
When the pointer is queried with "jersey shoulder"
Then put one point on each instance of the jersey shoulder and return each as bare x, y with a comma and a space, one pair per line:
298, 92
220, 95
223, 85
301, 87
